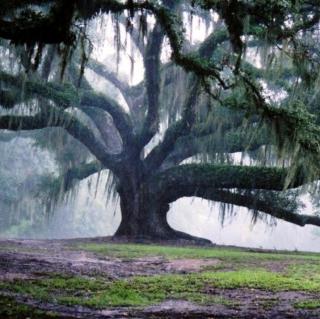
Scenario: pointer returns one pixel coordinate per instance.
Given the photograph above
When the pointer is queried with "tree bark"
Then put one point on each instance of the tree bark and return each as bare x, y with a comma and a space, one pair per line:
144, 217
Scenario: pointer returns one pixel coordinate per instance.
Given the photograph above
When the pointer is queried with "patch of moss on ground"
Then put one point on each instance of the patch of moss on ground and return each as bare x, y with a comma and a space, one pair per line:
11, 309
130, 251
46, 289
308, 304
268, 304
259, 279
95, 293
305, 271
256, 279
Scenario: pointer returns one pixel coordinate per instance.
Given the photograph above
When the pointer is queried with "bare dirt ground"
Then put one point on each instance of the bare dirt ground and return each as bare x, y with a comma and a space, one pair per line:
27, 259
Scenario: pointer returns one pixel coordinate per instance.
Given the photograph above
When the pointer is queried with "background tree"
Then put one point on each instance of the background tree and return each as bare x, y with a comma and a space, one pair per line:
205, 104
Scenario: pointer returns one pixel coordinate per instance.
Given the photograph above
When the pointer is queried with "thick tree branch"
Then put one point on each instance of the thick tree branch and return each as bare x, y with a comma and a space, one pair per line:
185, 125
79, 173
112, 77
103, 122
64, 96
152, 80
227, 142
121, 119
250, 202
58, 118
180, 128
225, 176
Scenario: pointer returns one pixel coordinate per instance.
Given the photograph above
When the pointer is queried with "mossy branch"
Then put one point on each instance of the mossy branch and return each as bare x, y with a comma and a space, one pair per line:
59, 118
249, 201
64, 95
185, 125
228, 142
180, 128
79, 173
225, 176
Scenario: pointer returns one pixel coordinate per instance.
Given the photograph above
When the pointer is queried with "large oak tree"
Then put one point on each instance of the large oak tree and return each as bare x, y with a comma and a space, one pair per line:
205, 104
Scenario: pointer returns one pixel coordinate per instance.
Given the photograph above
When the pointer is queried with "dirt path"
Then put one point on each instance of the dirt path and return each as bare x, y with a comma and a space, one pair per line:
26, 260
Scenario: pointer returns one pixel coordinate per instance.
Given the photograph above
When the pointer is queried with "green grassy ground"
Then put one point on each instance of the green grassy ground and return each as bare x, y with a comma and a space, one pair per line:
238, 269
147, 290
227, 254
9, 308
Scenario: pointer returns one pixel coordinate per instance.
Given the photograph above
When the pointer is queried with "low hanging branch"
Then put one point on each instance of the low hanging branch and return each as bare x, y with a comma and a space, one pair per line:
58, 118
225, 176
250, 202
231, 141
79, 173
65, 96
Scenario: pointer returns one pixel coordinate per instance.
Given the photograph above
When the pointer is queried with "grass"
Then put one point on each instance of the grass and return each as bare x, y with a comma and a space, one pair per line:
305, 271
129, 251
302, 274
253, 278
137, 291
9, 308
308, 304
46, 289
147, 290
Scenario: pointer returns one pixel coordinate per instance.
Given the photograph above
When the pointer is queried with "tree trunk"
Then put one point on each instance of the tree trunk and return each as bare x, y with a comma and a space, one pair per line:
145, 218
